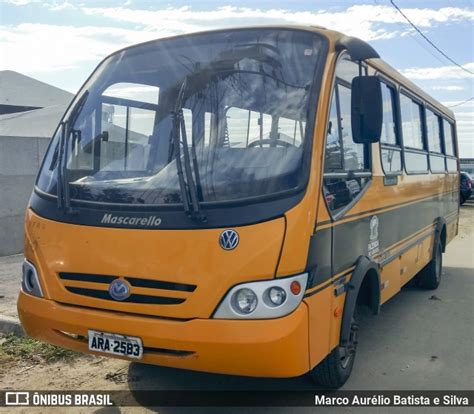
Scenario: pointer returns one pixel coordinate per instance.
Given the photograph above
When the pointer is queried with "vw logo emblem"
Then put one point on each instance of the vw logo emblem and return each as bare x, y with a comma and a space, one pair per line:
119, 289
229, 239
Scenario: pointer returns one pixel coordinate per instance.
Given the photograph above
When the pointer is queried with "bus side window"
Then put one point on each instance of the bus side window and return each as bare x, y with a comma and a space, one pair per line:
448, 138
416, 156
333, 155
451, 162
346, 164
389, 141
433, 131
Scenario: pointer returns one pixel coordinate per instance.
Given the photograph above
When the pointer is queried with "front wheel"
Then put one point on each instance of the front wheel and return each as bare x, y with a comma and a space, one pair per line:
430, 276
335, 369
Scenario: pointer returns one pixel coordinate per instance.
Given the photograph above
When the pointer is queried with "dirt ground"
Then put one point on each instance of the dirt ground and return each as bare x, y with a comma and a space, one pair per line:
372, 370
466, 219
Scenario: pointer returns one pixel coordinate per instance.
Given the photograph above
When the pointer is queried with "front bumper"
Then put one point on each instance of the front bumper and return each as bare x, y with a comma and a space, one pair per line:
257, 348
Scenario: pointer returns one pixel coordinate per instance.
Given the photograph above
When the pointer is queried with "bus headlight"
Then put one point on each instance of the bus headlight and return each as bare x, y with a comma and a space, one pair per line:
244, 301
275, 296
30, 281
262, 300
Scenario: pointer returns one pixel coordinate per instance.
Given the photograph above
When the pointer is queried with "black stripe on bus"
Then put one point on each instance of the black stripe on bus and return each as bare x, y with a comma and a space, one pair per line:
334, 249
159, 284
84, 277
340, 280
143, 299
144, 283
384, 208
404, 249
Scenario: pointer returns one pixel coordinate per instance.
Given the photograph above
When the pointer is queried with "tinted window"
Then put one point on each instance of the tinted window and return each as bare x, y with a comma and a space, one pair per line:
452, 164
388, 127
245, 127
345, 161
391, 160
124, 147
354, 159
416, 162
291, 131
448, 138
347, 70
390, 151
411, 123
437, 163
333, 156
342, 153
433, 130
128, 130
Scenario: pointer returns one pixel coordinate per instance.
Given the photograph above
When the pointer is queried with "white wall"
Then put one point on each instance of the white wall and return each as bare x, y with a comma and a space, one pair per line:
20, 159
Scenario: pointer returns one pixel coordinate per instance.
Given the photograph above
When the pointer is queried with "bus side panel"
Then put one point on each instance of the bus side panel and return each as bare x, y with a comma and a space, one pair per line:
416, 259
451, 230
336, 313
301, 220
320, 310
390, 280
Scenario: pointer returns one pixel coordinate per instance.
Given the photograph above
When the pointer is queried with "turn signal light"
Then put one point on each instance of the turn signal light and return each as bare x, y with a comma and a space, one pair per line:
295, 287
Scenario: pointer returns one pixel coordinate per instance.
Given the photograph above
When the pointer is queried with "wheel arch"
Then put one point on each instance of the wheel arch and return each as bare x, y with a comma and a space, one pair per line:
440, 234
366, 280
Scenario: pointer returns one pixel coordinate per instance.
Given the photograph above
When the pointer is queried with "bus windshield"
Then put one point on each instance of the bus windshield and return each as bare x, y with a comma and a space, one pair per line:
221, 115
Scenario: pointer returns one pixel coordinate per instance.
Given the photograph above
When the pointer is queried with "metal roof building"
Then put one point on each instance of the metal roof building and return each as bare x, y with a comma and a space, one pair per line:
20, 93
30, 111
39, 123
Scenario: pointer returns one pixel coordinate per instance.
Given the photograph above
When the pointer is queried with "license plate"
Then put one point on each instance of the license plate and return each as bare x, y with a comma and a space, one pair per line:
109, 343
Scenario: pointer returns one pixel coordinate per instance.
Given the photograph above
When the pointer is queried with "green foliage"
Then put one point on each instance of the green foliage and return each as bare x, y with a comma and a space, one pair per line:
27, 349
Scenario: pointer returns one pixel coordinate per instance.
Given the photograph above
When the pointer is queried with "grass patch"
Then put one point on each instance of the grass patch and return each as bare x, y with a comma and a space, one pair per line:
31, 350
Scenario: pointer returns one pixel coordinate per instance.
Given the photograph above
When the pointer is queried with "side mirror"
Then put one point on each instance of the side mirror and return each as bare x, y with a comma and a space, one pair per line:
366, 109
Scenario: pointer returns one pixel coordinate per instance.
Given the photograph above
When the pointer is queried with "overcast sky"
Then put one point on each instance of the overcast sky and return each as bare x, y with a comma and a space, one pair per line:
61, 42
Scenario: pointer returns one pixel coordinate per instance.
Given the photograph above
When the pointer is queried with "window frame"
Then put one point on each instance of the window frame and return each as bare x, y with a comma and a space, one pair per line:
367, 152
444, 118
418, 101
128, 104
398, 146
435, 112
454, 137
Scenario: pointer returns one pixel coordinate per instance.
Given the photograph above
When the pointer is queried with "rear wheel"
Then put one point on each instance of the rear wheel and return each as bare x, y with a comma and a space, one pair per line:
462, 199
336, 368
430, 276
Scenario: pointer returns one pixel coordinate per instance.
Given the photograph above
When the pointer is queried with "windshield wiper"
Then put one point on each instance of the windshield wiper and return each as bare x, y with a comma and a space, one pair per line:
189, 187
60, 185
64, 199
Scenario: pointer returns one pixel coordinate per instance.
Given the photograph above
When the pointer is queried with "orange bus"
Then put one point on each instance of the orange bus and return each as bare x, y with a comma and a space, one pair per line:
225, 201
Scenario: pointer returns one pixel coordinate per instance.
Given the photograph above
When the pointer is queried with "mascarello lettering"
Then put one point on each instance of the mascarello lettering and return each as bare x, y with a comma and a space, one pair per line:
151, 221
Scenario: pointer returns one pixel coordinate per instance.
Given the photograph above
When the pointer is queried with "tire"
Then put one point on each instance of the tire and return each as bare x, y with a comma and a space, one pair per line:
462, 200
334, 370
430, 276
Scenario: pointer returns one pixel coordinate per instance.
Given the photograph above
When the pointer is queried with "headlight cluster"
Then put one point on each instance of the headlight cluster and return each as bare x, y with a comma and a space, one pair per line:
29, 281
263, 300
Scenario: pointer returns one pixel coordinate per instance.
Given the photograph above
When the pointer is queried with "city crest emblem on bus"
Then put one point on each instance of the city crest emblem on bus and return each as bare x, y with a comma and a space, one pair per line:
229, 239
373, 246
119, 289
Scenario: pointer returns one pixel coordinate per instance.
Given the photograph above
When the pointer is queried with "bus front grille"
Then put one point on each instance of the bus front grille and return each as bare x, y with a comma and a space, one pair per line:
142, 291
